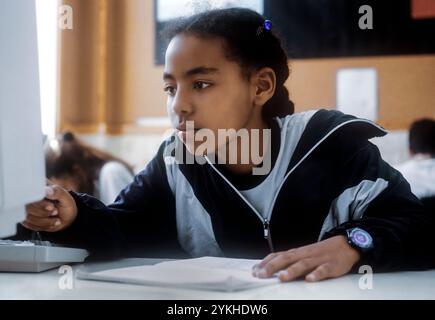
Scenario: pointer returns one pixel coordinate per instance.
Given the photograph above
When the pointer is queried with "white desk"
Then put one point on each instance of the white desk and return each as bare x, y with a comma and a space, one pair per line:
403, 285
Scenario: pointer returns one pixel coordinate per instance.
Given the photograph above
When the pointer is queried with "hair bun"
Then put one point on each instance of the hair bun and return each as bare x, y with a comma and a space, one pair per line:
68, 136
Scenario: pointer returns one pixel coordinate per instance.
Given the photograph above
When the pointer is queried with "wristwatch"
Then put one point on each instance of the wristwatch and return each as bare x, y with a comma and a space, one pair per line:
359, 239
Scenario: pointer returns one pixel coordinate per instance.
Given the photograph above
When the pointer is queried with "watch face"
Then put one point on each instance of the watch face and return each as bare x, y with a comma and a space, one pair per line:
361, 238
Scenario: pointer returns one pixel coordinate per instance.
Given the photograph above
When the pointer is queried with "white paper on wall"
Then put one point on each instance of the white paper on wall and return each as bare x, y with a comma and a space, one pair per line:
357, 92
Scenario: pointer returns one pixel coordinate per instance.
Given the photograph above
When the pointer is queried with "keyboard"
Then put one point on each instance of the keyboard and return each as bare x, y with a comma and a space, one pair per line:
36, 255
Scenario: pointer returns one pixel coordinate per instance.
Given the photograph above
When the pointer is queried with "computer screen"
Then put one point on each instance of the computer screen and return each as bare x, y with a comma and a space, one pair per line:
22, 171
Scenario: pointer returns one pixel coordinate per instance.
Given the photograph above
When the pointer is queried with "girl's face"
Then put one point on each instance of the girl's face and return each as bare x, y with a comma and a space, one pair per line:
203, 86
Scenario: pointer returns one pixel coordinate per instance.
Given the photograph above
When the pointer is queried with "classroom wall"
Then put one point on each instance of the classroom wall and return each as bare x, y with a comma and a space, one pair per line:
405, 85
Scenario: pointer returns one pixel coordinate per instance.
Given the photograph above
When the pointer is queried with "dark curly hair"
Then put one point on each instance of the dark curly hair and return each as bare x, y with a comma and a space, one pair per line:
422, 137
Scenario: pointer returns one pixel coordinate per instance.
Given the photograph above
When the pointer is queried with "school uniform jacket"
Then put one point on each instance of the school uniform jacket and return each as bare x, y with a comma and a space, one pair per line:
326, 178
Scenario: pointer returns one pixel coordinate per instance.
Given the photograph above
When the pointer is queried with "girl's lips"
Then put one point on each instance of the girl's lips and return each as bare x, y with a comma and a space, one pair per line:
183, 128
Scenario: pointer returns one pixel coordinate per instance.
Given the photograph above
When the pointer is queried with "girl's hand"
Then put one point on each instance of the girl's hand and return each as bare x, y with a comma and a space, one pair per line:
329, 258
54, 213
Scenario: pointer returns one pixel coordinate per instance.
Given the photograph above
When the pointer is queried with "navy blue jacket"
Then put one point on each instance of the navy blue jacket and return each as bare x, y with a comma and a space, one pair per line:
327, 177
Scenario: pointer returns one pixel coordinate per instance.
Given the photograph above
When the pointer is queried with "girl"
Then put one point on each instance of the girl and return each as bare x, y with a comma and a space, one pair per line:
76, 166
328, 204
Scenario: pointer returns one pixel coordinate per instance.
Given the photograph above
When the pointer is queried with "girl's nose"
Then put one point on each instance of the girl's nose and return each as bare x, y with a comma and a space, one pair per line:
181, 104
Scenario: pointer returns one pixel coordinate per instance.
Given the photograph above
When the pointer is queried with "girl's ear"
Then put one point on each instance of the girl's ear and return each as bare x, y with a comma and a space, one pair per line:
265, 84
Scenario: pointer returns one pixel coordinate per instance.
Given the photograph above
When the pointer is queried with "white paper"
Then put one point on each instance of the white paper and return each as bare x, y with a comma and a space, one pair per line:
357, 92
206, 273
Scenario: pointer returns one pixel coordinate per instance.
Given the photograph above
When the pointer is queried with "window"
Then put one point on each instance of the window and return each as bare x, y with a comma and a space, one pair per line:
166, 10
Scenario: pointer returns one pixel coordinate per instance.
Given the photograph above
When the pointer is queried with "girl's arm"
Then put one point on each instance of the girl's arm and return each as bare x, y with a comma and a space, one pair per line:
141, 221
395, 219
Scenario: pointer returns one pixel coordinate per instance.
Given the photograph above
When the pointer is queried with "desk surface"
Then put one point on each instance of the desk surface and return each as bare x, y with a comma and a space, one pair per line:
45, 285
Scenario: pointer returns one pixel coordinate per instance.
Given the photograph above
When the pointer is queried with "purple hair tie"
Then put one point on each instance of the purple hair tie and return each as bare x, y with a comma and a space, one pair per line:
267, 25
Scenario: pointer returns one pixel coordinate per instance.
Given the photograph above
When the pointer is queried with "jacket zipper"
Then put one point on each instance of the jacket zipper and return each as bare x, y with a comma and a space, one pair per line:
266, 225
267, 234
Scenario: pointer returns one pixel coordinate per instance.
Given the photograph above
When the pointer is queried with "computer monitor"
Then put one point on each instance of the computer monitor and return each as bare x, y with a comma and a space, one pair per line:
22, 171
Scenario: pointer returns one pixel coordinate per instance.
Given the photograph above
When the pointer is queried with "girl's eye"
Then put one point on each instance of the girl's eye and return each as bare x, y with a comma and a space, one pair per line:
200, 85
170, 90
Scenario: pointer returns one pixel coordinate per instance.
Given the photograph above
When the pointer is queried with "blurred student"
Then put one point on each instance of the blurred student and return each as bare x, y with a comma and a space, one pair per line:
79, 167
420, 169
